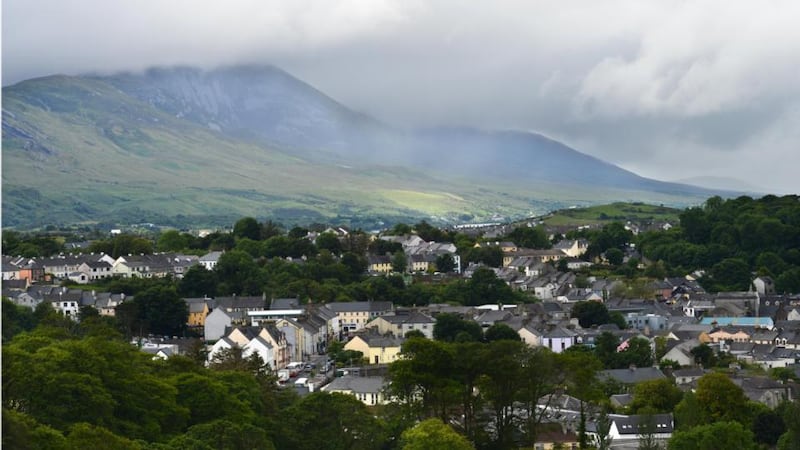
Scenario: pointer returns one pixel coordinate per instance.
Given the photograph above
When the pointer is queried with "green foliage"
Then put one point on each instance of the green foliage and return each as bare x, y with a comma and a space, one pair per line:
530, 237
84, 435
500, 331
161, 311
450, 328
198, 282
703, 354
30, 246
247, 227
433, 434
590, 313
16, 319
720, 399
445, 263
614, 256
121, 245
22, 432
658, 396
338, 422
713, 437
225, 435
733, 239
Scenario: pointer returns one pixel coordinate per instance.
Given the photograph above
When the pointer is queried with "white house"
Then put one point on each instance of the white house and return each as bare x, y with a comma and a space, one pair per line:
625, 431
558, 339
209, 260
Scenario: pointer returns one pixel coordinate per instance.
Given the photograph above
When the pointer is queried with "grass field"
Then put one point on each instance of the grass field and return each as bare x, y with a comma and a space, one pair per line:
618, 211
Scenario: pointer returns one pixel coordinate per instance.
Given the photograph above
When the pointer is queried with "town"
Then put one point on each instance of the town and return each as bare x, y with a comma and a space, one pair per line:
517, 335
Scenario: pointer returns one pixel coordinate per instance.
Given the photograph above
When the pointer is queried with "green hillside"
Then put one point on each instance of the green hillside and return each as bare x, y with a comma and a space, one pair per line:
77, 149
619, 211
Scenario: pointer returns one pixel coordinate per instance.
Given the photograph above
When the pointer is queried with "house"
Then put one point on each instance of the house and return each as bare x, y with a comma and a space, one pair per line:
652, 322
305, 336
198, 311
632, 376
687, 376
210, 259
376, 348
353, 316
97, 270
505, 246
542, 256
628, 429
764, 390
680, 352
267, 342
218, 320
728, 334
764, 285
379, 264
558, 339
402, 321
573, 248
368, 390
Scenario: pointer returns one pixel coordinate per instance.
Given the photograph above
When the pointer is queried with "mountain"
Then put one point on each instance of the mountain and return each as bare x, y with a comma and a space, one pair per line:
182, 145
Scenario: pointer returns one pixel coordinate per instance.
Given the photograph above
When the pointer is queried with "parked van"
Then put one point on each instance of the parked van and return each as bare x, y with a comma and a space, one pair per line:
294, 368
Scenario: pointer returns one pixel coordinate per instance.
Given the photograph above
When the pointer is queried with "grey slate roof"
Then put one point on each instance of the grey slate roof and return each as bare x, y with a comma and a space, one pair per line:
359, 385
633, 375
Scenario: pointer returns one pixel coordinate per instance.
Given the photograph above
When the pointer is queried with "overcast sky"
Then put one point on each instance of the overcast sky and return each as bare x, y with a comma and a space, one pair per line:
668, 89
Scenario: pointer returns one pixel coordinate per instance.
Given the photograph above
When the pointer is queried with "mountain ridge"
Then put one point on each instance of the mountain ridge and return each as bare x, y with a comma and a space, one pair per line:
187, 142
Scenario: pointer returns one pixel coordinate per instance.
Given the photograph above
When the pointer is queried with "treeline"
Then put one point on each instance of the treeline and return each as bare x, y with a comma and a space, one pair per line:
732, 240
69, 385
491, 390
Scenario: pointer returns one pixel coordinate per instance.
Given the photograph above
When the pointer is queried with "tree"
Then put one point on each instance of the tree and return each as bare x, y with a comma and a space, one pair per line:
173, 241
688, 412
445, 263
704, 355
720, 398
247, 227
590, 313
660, 396
484, 287
542, 377
338, 421
500, 331
731, 274
500, 386
84, 435
614, 256
227, 435
767, 426
603, 426
399, 261
21, 431
715, 436
235, 270
448, 326
198, 282
329, 242
161, 311
530, 237
433, 434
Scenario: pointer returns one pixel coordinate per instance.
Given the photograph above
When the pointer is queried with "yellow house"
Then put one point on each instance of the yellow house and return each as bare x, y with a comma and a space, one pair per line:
377, 349
379, 264
198, 311
505, 247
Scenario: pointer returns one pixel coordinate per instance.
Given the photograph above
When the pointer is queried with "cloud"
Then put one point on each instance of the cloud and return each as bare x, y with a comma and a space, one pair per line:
699, 60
